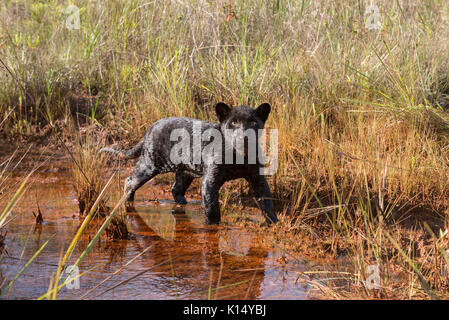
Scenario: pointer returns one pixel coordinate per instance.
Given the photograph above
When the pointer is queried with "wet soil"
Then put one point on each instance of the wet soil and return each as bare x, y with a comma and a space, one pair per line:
183, 258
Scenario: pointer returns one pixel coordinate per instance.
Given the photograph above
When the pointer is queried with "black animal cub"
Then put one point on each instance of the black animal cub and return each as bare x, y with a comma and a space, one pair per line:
215, 152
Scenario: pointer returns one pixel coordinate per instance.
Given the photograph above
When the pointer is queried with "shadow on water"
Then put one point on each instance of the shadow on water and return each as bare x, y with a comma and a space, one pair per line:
185, 259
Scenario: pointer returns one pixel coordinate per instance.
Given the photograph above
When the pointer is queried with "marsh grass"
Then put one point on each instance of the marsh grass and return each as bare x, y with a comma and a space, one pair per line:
87, 174
55, 284
88, 170
363, 136
7, 215
7, 167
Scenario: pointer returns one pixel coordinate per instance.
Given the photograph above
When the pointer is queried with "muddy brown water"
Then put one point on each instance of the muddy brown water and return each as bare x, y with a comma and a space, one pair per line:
185, 259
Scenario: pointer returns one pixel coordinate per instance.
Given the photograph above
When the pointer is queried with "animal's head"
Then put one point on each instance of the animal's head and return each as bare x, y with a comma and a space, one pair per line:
240, 125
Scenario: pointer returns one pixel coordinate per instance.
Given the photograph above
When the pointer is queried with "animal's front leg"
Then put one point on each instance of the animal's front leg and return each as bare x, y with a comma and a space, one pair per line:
262, 192
210, 195
182, 183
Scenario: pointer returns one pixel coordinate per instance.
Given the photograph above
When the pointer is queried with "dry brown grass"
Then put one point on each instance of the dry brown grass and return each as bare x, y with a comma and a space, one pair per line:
363, 147
88, 174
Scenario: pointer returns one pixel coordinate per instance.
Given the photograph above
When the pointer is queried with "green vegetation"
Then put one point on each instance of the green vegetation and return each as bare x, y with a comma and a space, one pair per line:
363, 136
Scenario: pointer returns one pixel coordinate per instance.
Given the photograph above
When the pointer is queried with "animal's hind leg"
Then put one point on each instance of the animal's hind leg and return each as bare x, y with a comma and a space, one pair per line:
142, 173
182, 183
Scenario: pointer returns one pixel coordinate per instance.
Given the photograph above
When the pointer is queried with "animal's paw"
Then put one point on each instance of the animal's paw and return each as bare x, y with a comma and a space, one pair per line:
212, 221
129, 206
180, 200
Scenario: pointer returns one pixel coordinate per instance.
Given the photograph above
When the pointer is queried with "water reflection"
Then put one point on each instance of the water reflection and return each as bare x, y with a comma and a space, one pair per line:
196, 259
186, 258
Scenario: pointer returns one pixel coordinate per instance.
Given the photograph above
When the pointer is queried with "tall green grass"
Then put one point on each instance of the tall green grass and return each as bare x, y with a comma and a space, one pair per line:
361, 133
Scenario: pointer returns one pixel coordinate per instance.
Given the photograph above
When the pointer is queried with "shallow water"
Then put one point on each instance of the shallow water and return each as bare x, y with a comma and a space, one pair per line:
185, 259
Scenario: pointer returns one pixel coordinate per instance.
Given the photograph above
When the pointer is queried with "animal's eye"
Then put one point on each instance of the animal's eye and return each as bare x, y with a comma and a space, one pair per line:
252, 123
233, 123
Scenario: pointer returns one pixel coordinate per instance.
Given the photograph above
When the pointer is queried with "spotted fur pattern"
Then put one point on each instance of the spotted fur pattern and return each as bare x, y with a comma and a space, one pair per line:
154, 158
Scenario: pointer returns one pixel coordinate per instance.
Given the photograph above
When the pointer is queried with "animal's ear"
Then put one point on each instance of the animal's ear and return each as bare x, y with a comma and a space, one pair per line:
222, 110
263, 111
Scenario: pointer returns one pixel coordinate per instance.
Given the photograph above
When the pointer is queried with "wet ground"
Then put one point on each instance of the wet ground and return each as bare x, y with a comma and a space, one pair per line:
183, 258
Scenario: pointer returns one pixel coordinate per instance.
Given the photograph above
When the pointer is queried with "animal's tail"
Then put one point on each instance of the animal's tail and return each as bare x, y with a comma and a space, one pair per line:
131, 153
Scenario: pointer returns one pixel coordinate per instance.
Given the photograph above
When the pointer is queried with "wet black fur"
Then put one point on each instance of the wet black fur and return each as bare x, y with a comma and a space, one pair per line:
154, 151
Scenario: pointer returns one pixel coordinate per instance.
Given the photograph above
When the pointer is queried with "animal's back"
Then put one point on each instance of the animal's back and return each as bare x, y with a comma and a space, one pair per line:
161, 138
